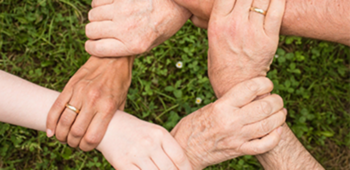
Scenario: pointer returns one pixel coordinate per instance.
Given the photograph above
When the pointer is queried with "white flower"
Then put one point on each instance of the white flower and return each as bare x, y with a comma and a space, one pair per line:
276, 56
179, 64
198, 100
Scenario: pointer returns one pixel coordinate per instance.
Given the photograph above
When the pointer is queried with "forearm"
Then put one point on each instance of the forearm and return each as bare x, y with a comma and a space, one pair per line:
320, 19
289, 154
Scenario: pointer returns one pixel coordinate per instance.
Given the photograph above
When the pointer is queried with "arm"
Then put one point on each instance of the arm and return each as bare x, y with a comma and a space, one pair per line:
98, 89
319, 19
26, 104
235, 59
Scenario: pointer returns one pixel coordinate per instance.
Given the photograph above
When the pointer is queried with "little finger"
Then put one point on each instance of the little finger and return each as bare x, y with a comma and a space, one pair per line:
265, 144
266, 126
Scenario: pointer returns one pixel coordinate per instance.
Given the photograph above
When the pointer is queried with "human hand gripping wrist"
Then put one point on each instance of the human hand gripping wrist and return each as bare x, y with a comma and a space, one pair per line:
133, 144
124, 28
242, 43
97, 89
233, 126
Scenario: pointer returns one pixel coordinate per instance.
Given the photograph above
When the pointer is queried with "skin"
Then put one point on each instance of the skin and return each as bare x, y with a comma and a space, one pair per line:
225, 53
130, 143
150, 26
219, 131
98, 89
319, 19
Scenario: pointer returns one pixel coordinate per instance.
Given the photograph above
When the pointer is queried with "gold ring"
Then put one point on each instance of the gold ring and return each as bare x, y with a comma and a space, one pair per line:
72, 108
258, 10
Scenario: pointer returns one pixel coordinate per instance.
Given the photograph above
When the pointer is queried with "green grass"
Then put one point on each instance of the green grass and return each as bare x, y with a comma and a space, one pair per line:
43, 41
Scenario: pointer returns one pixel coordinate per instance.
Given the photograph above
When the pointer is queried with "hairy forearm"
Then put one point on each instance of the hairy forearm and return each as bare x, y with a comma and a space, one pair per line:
320, 19
289, 154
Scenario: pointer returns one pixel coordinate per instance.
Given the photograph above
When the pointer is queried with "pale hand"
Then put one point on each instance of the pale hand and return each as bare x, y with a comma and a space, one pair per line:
233, 126
125, 28
133, 144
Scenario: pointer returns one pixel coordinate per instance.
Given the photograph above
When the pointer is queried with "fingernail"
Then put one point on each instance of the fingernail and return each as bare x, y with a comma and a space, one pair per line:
285, 110
49, 133
279, 130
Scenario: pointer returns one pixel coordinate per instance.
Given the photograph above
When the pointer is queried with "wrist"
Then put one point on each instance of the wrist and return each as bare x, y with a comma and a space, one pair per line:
185, 133
289, 153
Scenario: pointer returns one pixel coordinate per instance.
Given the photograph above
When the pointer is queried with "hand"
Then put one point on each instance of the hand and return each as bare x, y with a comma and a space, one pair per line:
233, 126
133, 144
124, 28
201, 10
98, 89
242, 43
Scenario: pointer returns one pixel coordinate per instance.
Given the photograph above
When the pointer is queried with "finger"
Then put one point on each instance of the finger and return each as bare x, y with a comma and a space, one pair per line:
162, 161
80, 126
95, 132
273, 19
245, 92
261, 109
265, 144
176, 153
122, 106
146, 164
257, 19
223, 7
101, 29
241, 9
97, 3
199, 22
101, 13
123, 166
107, 48
56, 110
266, 126
67, 119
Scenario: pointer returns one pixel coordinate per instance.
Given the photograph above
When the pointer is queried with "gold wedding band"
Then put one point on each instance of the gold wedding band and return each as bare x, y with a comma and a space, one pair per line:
72, 108
258, 10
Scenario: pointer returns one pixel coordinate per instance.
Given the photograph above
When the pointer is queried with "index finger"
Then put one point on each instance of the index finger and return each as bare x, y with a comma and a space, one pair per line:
97, 3
245, 92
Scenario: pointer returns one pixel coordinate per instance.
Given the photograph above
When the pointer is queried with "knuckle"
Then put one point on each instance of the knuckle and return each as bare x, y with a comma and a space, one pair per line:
251, 85
264, 127
147, 142
88, 30
264, 107
109, 106
91, 139
278, 98
94, 94
77, 132
66, 119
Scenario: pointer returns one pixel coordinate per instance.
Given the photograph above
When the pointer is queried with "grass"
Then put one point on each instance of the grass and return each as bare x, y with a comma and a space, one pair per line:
43, 41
